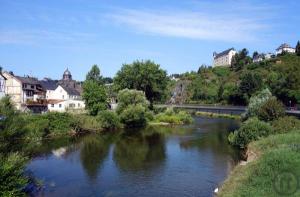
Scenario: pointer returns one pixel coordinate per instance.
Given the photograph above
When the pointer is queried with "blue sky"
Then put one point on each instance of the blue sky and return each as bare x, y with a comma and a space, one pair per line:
43, 38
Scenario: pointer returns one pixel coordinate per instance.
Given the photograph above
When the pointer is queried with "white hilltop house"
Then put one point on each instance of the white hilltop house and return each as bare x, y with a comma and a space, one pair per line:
64, 94
285, 48
224, 58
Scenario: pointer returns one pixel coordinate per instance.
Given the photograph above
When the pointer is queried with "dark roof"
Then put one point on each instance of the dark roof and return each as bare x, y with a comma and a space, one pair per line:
28, 80
70, 90
217, 55
2, 76
49, 84
284, 45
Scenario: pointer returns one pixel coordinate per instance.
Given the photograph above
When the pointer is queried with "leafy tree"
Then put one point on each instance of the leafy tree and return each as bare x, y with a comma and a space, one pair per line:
143, 75
250, 83
255, 54
128, 97
240, 59
298, 48
94, 74
271, 110
107, 80
95, 97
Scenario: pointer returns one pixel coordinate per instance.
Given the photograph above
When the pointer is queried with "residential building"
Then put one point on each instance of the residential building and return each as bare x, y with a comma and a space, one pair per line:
224, 58
64, 94
285, 48
23, 90
2, 85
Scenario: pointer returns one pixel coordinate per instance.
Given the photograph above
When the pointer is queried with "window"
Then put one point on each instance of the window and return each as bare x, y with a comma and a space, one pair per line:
59, 105
52, 105
72, 105
78, 104
32, 87
63, 96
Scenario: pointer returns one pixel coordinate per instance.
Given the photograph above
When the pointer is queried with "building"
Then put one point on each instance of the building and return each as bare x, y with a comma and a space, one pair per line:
285, 48
258, 58
224, 58
23, 90
2, 85
64, 94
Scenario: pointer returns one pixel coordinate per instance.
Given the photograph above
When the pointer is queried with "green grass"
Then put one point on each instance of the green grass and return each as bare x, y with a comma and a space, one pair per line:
216, 115
170, 117
276, 155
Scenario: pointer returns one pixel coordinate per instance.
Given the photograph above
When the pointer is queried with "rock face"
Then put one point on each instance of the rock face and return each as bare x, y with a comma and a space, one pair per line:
179, 93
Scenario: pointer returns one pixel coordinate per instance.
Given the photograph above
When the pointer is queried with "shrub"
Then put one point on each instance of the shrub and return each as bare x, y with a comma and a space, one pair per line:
169, 116
60, 123
11, 174
109, 120
272, 109
87, 122
131, 97
134, 116
286, 124
257, 101
250, 130
36, 126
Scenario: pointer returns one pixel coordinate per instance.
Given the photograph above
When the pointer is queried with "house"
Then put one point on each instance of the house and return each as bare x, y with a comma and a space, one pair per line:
224, 58
23, 90
285, 48
258, 58
2, 85
64, 94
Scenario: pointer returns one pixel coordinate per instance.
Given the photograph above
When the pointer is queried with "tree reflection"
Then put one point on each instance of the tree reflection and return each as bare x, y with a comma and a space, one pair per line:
140, 151
94, 150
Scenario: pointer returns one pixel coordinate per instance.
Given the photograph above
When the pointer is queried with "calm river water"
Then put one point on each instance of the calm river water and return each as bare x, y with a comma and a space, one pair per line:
180, 161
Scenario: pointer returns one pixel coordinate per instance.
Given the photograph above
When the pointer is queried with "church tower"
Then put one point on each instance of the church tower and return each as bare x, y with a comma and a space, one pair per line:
67, 76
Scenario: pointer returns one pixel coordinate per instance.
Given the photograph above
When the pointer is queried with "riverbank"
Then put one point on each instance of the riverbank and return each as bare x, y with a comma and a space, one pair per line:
217, 115
269, 159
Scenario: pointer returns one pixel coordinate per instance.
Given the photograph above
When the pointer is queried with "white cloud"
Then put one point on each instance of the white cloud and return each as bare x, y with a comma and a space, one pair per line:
196, 25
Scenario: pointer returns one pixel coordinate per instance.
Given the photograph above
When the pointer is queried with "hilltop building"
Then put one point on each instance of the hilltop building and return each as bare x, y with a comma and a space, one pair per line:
224, 58
285, 48
2, 85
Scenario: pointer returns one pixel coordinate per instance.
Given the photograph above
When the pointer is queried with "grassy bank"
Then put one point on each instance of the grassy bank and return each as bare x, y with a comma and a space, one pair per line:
269, 159
216, 115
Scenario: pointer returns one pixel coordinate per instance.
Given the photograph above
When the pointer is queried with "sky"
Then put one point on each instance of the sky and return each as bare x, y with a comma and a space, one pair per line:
43, 38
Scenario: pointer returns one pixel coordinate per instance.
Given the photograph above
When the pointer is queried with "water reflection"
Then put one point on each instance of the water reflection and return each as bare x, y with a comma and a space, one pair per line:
139, 151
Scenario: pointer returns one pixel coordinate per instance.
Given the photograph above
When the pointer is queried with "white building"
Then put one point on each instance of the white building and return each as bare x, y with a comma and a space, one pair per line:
285, 48
2, 85
63, 95
224, 58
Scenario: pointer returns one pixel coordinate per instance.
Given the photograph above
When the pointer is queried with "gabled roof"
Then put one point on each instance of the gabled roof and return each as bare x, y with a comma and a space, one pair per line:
3, 76
28, 80
71, 91
49, 84
284, 45
226, 52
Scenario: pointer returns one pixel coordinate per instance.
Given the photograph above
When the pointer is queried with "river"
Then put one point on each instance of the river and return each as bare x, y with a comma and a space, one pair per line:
188, 160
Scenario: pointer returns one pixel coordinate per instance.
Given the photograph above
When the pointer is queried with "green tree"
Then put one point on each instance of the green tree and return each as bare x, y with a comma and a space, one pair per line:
94, 74
298, 48
143, 75
240, 59
128, 97
250, 83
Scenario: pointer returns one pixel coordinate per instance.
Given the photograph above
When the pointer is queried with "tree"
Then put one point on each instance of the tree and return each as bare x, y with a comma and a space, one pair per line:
240, 59
94, 96
94, 74
128, 97
143, 75
298, 48
255, 54
250, 83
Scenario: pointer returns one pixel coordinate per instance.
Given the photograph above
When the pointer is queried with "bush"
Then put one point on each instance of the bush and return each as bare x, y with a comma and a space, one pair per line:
286, 124
271, 110
36, 126
169, 116
257, 101
134, 116
108, 120
250, 130
87, 122
11, 174
60, 123
131, 97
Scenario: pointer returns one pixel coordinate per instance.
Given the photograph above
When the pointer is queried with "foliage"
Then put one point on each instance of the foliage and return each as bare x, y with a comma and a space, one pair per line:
286, 124
131, 97
240, 59
216, 115
11, 174
249, 131
145, 76
108, 120
169, 116
250, 83
95, 97
87, 123
298, 48
272, 109
134, 116
94, 75
257, 101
